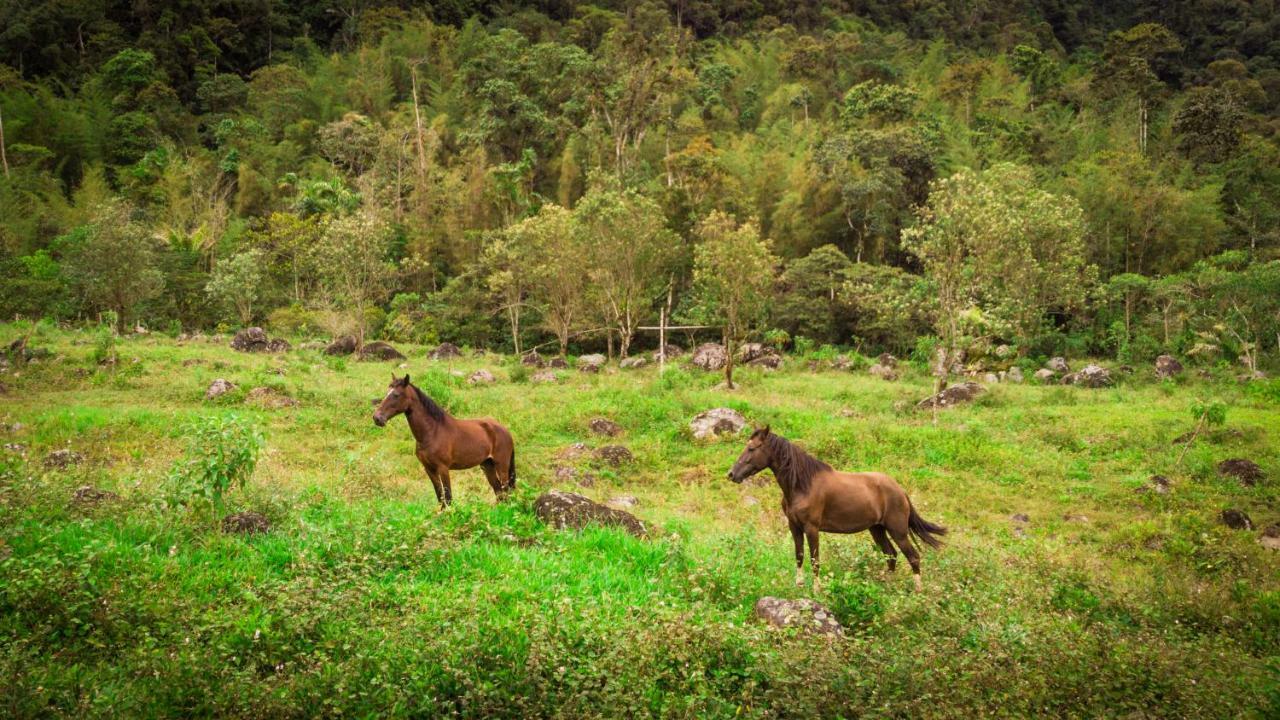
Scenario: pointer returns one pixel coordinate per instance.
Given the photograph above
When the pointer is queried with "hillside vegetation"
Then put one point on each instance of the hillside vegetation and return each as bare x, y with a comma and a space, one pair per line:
1080, 178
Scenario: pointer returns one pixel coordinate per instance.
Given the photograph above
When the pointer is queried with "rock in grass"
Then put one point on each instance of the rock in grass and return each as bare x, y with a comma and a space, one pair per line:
1090, 376
379, 350
558, 363
717, 421
563, 510
1045, 375
246, 523
954, 395
544, 376
1236, 519
1167, 366
605, 427
884, 372
481, 377
89, 496
591, 363
1014, 374
1058, 365
803, 613
62, 459
532, 359
634, 362
1246, 471
622, 501
669, 351
218, 388
760, 355
615, 455
1158, 484
254, 339
270, 398
445, 351
709, 356
1271, 537
344, 345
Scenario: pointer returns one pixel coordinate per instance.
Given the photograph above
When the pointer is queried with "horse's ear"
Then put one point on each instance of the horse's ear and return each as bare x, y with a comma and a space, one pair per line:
405, 383
765, 431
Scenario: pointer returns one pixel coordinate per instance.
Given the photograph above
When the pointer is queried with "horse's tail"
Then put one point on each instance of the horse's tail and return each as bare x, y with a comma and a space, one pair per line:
924, 530
511, 469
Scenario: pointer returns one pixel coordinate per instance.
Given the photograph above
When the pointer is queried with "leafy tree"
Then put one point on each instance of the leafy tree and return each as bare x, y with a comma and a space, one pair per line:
994, 242
631, 252
354, 269
733, 279
113, 263
1209, 124
1131, 61
810, 299
236, 283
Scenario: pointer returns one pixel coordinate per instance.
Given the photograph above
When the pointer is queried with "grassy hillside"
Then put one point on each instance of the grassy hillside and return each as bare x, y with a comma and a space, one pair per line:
364, 600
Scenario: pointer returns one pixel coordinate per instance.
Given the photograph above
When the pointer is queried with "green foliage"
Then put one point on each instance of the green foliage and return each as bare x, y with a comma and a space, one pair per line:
222, 452
1212, 413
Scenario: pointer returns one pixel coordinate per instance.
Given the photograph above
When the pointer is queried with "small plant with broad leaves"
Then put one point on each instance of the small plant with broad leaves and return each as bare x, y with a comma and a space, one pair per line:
221, 455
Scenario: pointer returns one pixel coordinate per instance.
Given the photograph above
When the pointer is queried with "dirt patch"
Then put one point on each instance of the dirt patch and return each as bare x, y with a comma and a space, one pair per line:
1246, 471
248, 522
1236, 519
954, 395
605, 427
89, 496
270, 398
62, 459
615, 455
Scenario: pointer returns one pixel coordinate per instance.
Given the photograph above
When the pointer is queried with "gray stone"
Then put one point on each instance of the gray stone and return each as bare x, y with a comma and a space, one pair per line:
481, 377
563, 510
218, 388
804, 614
717, 421
633, 362
591, 363
709, 356
954, 395
1045, 375
1167, 366
1058, 365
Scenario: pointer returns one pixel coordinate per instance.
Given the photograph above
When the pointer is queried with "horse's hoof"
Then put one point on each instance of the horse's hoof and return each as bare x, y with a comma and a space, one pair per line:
919, 585
799, 579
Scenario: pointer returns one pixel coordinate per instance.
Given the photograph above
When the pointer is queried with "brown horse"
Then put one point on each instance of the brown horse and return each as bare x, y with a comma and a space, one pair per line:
816, 498
446, 443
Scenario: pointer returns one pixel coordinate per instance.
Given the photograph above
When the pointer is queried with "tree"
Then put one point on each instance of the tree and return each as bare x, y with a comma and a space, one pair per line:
353, 265
1130, 65
557, 282
237, 283
810, 300
630, 253
993, 242
733, 278
1209, 124
113, 263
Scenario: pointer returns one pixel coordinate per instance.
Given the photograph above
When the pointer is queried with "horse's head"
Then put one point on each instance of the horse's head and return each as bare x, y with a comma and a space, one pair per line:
754, 458
396, 401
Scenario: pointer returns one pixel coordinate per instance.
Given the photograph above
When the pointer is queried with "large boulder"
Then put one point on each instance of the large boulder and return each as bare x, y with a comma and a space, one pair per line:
887, 360
633, 363
954, 395
1167, 366
709, 356
563, 510
254, 339
558, 363
760, 355
344, 345
445, 351
1045, 375
717, 421
1058, 365
1090, 376
379, 351
1014, 374
803, 613
591, 363
532, 359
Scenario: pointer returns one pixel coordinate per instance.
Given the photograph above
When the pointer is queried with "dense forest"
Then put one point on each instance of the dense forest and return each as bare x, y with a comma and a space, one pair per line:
1056, 175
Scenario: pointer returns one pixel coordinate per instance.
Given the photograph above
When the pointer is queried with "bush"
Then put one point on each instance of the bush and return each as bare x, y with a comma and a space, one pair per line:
292, 320
854, 602
222, 454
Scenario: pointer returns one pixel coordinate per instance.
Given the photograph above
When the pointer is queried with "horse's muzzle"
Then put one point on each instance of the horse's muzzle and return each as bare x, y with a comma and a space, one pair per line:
379, 421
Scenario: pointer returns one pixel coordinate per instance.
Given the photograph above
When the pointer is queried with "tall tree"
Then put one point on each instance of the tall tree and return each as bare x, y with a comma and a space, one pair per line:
114, 263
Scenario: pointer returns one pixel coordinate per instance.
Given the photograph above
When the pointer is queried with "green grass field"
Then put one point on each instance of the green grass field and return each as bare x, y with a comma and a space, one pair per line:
365, 601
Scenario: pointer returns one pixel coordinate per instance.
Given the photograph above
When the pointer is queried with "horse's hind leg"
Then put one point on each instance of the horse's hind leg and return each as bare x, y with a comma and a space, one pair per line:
491, 472
881, 536
913, 556
811, 532
797, 537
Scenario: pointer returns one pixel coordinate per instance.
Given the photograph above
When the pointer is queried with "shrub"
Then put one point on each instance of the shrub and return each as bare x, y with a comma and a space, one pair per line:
854, 602
291, 320
222, 454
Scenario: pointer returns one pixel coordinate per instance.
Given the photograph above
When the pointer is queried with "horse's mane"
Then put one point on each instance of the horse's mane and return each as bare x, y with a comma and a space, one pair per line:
794, 466
433, 409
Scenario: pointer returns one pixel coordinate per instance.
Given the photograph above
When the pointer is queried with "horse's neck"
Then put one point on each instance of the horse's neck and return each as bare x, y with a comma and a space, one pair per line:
789, 493
421, 424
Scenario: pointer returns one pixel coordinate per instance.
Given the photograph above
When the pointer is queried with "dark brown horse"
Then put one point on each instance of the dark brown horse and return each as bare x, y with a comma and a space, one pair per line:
816, 498
446, 443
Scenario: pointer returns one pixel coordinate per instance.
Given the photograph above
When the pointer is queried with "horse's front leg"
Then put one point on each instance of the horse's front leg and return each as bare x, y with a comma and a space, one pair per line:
443, 472
797, 537
435, 479
811, 531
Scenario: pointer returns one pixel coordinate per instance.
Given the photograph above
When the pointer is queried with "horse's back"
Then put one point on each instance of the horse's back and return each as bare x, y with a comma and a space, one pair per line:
852, 502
